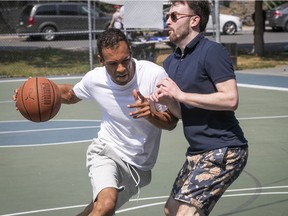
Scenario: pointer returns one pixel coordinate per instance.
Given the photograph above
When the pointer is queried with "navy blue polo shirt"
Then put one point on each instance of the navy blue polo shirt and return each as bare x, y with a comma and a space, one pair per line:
203, 64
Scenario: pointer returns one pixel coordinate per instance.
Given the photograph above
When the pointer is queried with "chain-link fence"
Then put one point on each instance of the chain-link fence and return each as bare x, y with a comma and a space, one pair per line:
59, 38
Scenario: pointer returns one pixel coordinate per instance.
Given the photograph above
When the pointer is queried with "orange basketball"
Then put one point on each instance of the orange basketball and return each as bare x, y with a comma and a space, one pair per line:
38, 99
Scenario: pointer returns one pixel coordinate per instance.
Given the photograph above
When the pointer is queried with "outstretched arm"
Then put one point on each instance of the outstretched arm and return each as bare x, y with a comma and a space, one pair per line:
225, 98
67, 94
144, 109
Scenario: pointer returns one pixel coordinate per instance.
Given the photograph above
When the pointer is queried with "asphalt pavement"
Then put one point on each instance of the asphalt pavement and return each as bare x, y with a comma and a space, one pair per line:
276, 71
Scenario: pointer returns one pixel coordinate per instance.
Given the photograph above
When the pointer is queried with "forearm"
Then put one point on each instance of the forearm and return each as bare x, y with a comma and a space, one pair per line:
163, 120
215, 101
67, 94
225, 98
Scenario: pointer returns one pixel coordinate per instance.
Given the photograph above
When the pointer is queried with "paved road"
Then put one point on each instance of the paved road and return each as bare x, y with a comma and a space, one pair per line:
245, 39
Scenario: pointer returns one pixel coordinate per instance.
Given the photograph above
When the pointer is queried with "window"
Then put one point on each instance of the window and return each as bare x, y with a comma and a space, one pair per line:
68, 10
27, 10
46, 10
84, 11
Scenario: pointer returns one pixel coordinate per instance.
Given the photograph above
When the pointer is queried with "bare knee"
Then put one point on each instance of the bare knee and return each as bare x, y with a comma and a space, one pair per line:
106, 207
191, 210
176, 208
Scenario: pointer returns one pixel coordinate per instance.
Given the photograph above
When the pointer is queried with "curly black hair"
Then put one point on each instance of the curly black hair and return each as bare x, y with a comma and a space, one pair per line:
110, 38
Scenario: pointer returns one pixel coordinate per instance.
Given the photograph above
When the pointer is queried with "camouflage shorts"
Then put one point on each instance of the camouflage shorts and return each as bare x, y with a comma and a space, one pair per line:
204, 177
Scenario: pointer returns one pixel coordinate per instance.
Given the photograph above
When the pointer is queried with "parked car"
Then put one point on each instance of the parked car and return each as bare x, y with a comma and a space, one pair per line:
277, 18
229, 24
50, 18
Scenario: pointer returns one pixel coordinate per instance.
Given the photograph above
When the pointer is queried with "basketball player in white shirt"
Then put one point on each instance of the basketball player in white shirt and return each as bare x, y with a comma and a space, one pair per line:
120, 159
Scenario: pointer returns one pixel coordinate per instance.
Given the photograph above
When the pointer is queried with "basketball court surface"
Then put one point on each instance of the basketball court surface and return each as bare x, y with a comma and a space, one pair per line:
42, 165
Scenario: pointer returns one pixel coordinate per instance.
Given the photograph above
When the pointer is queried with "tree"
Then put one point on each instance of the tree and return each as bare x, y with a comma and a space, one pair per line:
259, 21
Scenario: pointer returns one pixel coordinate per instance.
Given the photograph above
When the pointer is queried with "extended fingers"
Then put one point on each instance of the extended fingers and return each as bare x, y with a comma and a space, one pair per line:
14, 97
142, 98
138, 105
140, 113
135, 95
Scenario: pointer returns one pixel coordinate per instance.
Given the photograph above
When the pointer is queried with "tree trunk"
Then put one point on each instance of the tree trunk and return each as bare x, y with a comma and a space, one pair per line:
259, 28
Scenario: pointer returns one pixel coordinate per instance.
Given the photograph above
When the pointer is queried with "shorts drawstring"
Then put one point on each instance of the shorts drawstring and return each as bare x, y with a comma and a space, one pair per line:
137, 181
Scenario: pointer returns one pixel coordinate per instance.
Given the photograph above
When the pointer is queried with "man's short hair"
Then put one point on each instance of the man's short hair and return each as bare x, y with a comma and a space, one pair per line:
200, 8
110, 38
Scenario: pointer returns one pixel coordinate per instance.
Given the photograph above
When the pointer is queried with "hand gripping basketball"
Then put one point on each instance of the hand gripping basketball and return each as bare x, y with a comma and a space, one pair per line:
38, 99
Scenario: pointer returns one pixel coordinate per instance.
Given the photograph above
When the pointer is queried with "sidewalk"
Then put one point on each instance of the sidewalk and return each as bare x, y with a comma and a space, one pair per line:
247, 28
277, 71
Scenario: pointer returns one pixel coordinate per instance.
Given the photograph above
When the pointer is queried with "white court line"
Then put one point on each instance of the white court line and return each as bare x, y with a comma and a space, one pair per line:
10, 101
262, 87
258, 188
160, 203
48, 129
51, 78
45, 144
85, 127
138, 207
262, 117
53, 120
235, 195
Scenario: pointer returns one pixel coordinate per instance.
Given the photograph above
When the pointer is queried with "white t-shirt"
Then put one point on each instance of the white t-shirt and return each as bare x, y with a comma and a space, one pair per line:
136, 141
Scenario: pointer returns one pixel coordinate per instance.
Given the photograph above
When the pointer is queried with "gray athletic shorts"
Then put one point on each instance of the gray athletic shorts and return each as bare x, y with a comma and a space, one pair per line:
106, 169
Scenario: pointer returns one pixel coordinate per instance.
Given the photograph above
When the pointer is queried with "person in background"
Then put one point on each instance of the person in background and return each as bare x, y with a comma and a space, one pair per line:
202, 80
122, 11
117, 19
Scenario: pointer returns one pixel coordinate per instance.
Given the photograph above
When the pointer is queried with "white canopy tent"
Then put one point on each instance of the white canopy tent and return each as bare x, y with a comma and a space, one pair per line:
141, 14
138, 14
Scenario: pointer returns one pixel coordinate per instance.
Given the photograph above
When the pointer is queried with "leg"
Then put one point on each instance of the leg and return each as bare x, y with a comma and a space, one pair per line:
203, 179
111, 180
174, 207
87, 210
171, 207
104, 205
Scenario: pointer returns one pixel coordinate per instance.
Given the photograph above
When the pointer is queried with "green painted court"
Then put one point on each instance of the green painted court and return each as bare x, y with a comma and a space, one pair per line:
43, 173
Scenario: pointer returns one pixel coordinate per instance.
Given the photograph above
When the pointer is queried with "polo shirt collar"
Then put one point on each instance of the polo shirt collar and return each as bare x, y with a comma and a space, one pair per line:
190, 46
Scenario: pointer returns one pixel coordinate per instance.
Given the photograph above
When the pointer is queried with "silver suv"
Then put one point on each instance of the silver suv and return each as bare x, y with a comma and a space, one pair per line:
46, 19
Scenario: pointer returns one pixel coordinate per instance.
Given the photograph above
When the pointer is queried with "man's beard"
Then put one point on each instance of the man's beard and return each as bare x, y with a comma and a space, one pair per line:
177, 37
